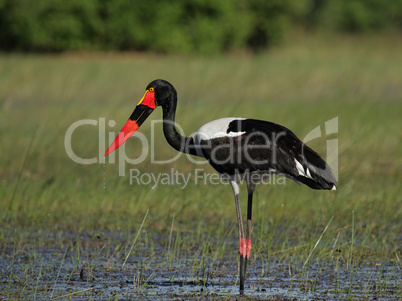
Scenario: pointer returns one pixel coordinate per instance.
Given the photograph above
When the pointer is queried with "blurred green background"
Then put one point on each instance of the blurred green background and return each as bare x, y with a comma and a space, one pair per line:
182, 26
296, 63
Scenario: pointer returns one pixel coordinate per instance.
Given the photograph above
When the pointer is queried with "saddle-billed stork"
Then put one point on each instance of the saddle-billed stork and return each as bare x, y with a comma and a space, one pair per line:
238, 148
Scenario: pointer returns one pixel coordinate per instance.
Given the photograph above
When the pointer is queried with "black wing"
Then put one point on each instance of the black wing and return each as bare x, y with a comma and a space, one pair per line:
266, 146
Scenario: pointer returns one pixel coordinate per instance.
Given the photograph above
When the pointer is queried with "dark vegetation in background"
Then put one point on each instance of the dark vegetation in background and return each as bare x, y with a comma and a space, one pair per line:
181, 26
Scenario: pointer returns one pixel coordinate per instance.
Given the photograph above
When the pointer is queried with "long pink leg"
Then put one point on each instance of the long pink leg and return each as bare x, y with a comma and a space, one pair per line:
244, 244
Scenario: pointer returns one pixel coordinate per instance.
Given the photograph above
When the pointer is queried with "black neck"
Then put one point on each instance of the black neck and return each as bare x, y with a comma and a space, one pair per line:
181, 143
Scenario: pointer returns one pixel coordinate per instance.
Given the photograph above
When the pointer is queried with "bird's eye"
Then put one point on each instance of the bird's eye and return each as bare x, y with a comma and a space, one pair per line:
151, 89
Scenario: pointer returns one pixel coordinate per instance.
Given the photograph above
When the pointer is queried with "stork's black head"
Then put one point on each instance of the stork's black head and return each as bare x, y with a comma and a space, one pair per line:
164, 92
158, 93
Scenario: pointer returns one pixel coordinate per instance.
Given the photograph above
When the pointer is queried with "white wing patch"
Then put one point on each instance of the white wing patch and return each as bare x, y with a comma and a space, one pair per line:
308, 173
231, 134
301, 171
216, 129
300, 168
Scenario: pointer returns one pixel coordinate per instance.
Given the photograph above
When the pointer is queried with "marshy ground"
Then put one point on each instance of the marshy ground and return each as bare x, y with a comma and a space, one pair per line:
90, 266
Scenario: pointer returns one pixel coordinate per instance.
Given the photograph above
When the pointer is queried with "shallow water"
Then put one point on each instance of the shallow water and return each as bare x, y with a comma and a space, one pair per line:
82, 267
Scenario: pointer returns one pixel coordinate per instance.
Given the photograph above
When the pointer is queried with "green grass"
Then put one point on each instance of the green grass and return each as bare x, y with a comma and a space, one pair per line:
47, 200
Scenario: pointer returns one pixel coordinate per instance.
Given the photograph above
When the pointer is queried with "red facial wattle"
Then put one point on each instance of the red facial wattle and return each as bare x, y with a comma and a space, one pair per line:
143, 109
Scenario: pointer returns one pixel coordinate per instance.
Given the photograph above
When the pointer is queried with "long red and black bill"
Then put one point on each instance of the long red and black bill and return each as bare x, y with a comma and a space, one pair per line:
141, 112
